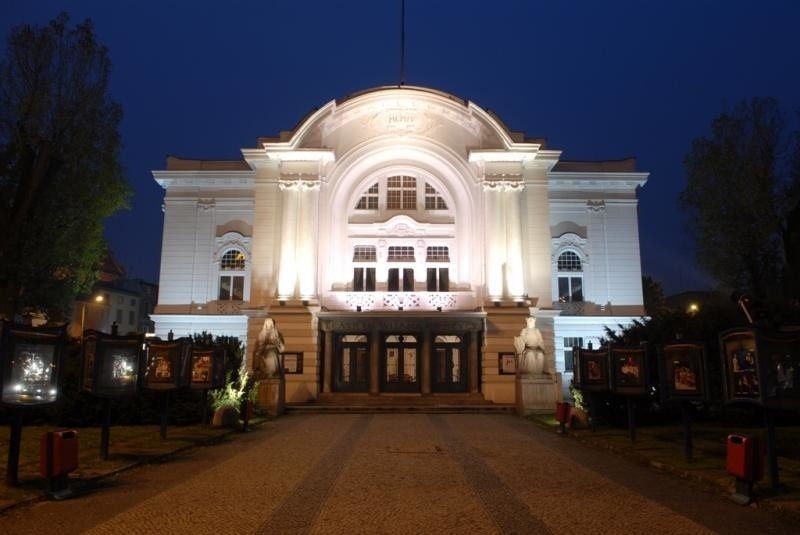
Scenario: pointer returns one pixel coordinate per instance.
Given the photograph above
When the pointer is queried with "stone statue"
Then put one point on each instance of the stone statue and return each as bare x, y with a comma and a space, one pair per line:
530, 349
267, 353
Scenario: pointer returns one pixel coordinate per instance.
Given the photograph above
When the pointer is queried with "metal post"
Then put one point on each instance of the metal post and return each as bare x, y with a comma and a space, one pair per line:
105, 429
164, 416
13, 448
204, 420
632, 419
772, 454
687, 430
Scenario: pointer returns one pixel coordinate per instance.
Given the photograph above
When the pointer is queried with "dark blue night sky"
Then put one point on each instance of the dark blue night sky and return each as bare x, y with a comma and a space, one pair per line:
599, 80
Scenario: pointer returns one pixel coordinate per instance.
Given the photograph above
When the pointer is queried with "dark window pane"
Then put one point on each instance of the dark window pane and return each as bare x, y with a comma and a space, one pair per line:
224, 288
563, 289
238, 289
431, 284
444, 280
408, 280
577, 291
394, 280
358, 279
370, 282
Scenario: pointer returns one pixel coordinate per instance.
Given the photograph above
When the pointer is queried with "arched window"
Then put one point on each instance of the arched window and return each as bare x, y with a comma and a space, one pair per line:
570, 278
232, 266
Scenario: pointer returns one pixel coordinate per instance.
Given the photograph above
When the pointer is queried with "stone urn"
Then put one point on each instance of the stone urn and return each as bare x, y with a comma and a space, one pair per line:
226, 416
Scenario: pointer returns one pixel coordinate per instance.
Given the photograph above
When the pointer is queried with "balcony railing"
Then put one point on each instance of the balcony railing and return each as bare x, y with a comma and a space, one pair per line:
388, 301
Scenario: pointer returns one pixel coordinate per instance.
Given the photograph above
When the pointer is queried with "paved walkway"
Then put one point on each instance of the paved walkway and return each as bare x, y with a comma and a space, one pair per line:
396, 473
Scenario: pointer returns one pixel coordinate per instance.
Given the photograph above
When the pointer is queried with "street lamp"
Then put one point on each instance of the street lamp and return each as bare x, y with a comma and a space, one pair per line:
97, 299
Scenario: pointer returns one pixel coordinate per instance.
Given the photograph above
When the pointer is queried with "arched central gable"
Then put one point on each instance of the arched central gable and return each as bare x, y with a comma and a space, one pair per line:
341, 125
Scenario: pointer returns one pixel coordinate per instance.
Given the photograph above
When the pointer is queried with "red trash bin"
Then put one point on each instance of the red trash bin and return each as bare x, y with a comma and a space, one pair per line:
745, 457
562, 412
58, 453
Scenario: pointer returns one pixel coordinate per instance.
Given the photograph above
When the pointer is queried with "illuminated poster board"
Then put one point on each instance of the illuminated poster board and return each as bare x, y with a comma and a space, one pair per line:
591, 369
207, 368
168, 363
683, 372
762, 367
31, 360
629, 371
112, 365
740, 365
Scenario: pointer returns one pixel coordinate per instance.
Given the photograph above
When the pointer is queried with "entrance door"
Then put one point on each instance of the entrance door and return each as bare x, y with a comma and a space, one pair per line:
400, 363
449, 364
351, 365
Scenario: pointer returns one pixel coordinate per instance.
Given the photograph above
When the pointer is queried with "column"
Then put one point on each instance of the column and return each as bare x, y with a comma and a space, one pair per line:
374, 362
425, 372
515, 280
288, 272
306, 241
474, 362
495, 243
327, 373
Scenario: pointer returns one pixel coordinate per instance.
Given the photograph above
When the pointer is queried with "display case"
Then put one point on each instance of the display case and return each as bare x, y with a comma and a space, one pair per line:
682, 374
31, 361
168, 363
761, 366
208, 367
591, 369
628, 370
113, 366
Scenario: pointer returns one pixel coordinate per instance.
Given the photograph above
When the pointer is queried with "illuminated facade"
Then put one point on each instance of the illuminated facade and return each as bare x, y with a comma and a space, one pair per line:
399, 237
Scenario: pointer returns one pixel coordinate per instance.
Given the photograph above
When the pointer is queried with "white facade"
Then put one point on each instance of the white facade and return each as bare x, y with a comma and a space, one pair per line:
400, 211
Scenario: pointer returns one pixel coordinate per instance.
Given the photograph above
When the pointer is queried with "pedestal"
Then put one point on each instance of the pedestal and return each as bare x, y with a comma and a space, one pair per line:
538, 394
271, 396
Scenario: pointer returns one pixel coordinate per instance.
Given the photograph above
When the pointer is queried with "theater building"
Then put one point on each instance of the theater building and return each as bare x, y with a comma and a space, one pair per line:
399, 237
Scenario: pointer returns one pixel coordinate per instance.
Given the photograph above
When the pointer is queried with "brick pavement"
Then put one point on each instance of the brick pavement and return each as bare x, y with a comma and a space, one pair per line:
400, 473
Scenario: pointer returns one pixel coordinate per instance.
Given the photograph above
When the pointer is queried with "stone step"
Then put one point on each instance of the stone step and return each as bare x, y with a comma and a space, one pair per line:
314, 408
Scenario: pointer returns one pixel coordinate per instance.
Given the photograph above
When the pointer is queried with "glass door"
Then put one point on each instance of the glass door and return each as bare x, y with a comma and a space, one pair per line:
351, 365
400, 363
449, 364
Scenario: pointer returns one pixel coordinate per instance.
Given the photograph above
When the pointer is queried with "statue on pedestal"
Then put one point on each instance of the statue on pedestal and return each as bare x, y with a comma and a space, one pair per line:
530, 349
267, 353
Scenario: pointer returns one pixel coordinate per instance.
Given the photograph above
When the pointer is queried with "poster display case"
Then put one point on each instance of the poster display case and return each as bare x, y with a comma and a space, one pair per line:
682, 369
31, 361
208, 367
761, 367
628, 371
592, 369
168, 363
113, 366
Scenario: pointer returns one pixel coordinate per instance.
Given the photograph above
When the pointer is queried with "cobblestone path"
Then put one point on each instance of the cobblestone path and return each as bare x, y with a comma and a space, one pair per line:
403, 473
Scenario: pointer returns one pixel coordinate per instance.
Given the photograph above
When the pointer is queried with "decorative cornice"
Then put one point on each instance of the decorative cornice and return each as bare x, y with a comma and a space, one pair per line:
514, 184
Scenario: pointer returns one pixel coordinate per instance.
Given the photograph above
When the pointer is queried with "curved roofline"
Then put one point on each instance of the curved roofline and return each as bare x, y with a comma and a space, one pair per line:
438, 92
289, 139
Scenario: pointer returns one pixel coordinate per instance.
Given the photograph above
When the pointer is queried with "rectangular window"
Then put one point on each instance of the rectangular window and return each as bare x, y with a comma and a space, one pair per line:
119, 316
569, 343
570, 289
401, 254
401, 193
394, 280
437, 253
364, 253
133, 302
131, 317
231, 288
364, 279
438, 280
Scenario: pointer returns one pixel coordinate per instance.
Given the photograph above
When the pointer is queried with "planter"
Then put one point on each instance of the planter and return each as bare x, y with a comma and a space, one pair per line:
226, 416
578, 419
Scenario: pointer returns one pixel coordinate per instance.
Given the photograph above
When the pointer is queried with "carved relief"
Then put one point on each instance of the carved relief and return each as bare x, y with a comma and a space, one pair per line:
596, 206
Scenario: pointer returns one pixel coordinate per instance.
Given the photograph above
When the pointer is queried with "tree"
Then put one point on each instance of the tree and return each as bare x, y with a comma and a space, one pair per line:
742, 200
655, 304
60, 174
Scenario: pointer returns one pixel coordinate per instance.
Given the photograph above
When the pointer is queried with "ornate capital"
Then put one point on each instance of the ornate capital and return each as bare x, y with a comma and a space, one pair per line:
596, 206
206, 204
